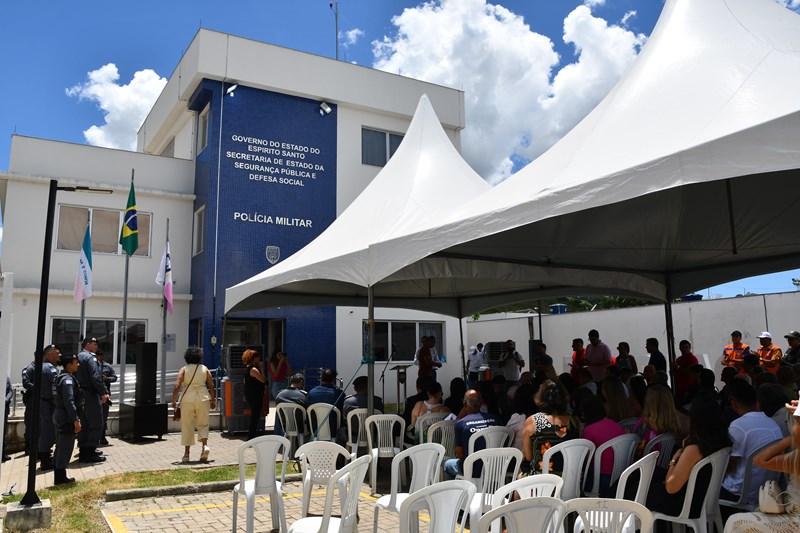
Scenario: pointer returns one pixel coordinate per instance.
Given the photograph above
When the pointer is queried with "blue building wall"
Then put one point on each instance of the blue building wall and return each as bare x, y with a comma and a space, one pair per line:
277, 193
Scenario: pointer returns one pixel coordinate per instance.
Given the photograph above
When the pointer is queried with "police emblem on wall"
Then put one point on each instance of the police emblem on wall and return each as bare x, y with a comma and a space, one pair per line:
273, 254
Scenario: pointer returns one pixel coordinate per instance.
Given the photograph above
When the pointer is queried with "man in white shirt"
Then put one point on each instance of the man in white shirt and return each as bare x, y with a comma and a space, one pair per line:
749, 432
511, 361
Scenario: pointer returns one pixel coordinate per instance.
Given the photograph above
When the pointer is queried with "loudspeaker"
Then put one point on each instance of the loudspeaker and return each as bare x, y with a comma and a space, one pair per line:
146, 357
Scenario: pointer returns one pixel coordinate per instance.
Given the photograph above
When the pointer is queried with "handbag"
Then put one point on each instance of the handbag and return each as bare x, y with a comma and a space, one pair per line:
771, 499
176, 416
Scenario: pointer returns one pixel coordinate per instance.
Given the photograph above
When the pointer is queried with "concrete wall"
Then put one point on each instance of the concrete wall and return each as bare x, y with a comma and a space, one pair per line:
707, 324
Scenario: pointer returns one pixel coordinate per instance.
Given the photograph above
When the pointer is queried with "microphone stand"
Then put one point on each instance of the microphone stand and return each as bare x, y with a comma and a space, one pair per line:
383, 382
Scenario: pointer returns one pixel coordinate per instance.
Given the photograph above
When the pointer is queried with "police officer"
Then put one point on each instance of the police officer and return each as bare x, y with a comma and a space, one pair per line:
47, 432
27, 394
68, 399
88, 376
109, 376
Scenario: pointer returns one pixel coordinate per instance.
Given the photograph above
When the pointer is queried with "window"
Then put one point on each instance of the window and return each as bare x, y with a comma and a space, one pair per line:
169, 149
66, 334
106, 224
202, 130
378, 146
403, 338
199, 231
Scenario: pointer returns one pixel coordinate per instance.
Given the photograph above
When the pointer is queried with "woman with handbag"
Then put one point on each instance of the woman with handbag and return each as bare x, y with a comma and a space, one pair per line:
779, 511
193, 405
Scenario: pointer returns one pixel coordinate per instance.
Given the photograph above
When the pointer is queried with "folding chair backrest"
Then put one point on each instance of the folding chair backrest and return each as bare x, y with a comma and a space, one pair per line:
604, 515
492, 437
426, 421
497, 465
382, 436
443, 500
318, 460
358, 417
530, 514
321, 416
718, 461
444, 433
576, 453
664, 443
535, 486
292, 417
266, 448
623, 448
645, 466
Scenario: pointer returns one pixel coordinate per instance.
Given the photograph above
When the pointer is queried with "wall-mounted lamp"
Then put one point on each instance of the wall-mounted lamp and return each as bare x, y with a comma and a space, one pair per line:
324, 109
232, 88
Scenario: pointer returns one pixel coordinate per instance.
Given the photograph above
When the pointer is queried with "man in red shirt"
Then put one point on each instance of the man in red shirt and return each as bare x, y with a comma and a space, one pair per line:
680, 368
577, 359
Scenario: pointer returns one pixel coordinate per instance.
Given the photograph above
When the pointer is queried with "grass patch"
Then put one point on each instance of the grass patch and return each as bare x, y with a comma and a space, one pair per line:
76, 507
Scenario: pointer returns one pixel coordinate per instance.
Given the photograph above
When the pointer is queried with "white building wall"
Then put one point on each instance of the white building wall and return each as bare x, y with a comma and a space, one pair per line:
707, 324
349, 323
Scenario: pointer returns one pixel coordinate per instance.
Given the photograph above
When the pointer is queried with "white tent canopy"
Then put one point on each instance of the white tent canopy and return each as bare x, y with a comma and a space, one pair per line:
425, 178
684, 176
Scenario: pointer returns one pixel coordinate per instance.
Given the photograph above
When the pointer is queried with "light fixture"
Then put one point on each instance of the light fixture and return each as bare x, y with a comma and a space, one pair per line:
324, 109
232, 88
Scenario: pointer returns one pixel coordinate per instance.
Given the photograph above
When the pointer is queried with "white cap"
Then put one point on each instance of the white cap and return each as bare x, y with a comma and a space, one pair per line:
765, 335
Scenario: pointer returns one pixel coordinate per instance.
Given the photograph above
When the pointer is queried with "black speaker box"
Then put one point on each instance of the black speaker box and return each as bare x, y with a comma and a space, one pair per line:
146, 358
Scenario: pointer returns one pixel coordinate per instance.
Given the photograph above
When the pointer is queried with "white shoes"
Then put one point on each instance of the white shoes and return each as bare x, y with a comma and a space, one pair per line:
204, 455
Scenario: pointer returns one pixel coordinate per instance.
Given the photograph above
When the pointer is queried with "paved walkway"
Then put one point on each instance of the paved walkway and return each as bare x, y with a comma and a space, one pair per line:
213, 511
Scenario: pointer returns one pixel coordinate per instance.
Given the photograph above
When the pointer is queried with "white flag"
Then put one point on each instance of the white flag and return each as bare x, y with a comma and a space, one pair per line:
164, 277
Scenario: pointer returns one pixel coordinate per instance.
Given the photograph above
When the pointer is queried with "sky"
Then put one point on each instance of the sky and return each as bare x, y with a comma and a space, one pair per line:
88, 72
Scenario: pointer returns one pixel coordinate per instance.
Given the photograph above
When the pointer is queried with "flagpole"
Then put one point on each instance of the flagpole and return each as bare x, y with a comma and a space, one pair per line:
164, 336
123, 354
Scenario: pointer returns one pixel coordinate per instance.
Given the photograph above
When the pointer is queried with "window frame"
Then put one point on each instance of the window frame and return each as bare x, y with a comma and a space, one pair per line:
390, 149
198, 237
418, 332
140, 251
203, 125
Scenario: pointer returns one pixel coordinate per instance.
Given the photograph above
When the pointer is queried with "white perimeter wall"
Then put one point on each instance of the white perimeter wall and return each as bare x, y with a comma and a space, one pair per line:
707, 324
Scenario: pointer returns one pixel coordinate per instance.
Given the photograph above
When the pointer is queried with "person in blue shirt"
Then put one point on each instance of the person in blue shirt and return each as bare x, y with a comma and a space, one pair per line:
327, 392
472, 421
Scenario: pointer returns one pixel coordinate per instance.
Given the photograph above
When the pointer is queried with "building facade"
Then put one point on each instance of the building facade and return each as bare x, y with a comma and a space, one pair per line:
250, 152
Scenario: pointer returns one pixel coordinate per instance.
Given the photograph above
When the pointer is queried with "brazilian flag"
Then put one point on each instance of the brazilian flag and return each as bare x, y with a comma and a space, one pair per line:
129, 238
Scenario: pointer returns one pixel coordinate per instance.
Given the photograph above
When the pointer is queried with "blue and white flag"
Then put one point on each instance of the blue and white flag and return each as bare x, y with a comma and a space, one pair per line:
83, 281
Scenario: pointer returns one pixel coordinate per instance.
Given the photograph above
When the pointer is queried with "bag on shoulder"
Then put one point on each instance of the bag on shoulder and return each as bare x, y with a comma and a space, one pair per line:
176, 416
771, 499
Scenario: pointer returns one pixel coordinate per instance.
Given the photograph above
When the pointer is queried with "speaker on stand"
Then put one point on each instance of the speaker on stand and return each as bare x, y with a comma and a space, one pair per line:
144, 416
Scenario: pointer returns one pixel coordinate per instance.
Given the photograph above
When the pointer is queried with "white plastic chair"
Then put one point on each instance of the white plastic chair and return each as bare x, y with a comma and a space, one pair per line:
496, 468
742, 502
293, 422
266, 449
383, 441
604, 515
349, 481
426, 460
426, 421
623, 448
493, 437
444, 433
543, 486
358, 416
576, 453
318, 465
664, 443
530, 514
443, 500
645, 466
710, 509
319, 420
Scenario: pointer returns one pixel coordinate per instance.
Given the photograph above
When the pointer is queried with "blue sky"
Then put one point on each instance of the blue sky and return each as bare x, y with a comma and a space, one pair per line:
51, 47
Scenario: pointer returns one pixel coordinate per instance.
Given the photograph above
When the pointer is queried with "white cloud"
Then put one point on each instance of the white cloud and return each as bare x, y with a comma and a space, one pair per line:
515, 106
349, 38
791, 4
592, 3
124, 106
630, 14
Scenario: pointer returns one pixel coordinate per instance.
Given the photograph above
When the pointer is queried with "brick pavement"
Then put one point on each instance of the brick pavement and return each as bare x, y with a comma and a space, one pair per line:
213, 512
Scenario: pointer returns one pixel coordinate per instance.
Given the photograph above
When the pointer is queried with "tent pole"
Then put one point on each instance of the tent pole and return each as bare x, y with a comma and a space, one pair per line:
731, 221
670, 331
370, 352
461, 340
